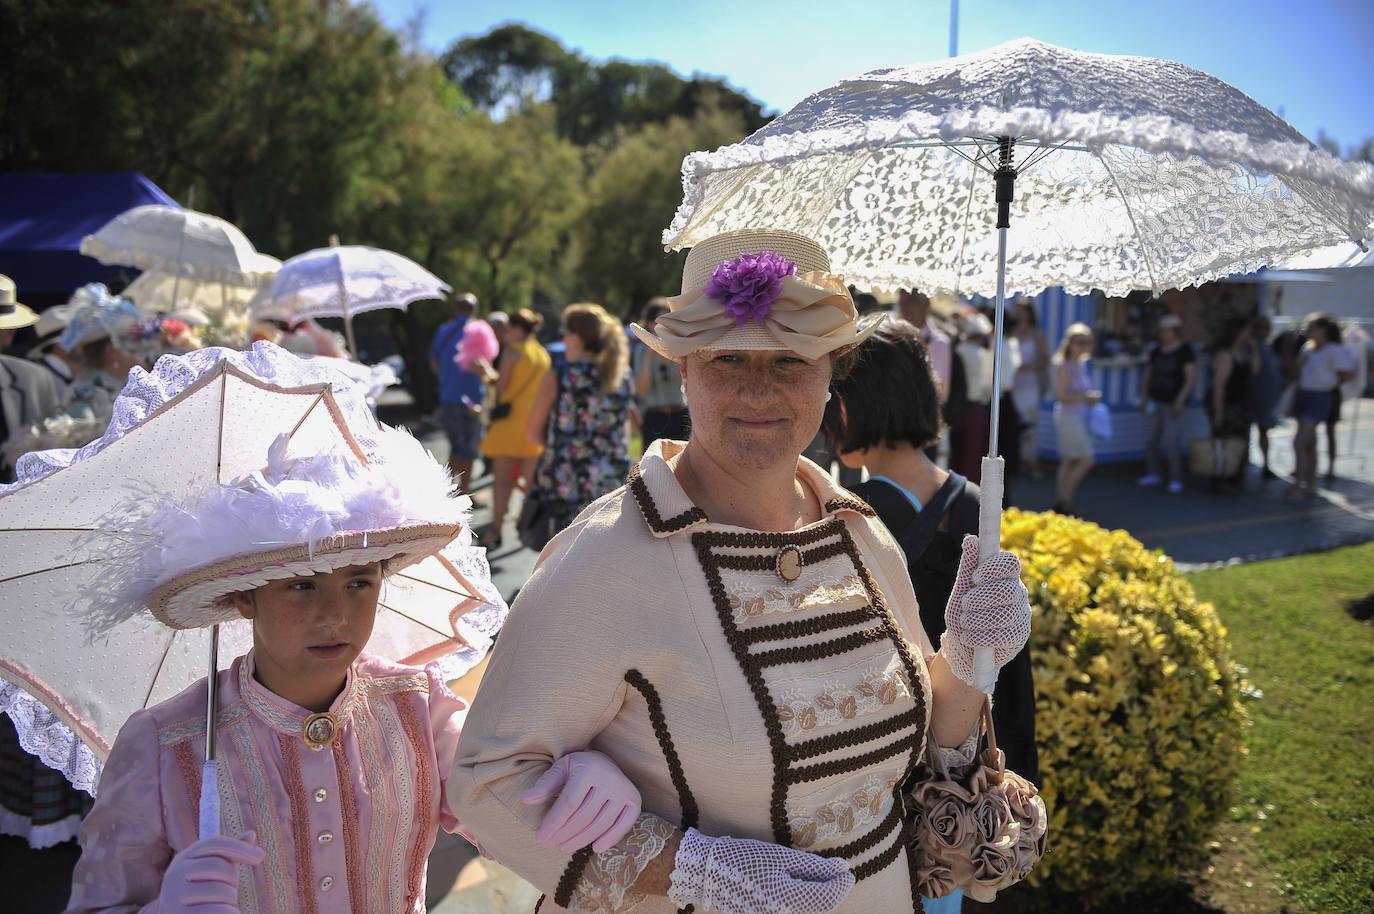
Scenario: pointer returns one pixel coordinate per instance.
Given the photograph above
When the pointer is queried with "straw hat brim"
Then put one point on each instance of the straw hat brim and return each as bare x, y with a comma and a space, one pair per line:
199, 597
22, 316
754, 337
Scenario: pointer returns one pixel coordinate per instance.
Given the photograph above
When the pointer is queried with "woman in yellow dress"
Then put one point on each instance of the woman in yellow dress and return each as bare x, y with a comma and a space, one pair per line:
520, 368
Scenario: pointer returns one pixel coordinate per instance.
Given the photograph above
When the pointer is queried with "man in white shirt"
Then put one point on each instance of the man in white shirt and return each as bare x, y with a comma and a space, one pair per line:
27, 392
48, 352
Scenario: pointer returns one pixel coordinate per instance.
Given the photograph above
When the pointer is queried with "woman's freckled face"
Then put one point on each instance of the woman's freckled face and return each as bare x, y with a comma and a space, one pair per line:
755, 408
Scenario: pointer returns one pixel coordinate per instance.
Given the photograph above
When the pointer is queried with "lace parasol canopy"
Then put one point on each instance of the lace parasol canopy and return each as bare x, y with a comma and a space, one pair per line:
1133, 173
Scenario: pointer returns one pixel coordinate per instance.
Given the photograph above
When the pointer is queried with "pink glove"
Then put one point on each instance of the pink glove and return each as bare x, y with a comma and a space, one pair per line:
204, 878
596, 803
989, 607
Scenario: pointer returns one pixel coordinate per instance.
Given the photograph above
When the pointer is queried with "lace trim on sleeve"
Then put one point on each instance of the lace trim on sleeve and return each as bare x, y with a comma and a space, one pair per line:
961, 755
607, 883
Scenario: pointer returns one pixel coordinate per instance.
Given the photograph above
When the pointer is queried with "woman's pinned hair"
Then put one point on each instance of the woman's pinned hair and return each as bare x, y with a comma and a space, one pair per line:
889, 395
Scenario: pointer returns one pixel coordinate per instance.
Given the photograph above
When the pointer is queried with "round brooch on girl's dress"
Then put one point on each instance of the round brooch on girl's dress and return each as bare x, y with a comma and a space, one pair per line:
320, 729
788, 564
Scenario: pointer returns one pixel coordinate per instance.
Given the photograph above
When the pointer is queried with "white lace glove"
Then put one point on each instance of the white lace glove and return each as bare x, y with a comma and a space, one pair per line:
988, 608
743, 876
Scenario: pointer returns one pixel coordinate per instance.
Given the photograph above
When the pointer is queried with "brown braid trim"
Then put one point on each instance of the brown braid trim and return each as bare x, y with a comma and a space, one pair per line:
918, 904
879, 863
785, 757
803, 774
904, 650
802, 628
850, 502
761, 540
703, 542
640, 490
823, 744
765, 563
803, 653
562, 894
870, 840
690, 813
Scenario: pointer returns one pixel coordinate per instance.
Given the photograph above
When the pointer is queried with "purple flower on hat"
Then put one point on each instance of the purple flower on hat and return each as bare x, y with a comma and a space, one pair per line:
747, 285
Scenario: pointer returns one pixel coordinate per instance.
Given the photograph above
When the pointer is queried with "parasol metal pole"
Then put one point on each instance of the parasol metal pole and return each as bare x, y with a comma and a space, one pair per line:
994, 467
209, 784
343, 306
348, 330
1005, 176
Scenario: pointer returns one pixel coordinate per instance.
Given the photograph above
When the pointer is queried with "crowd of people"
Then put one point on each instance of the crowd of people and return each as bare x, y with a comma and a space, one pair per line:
726, 667
566, 437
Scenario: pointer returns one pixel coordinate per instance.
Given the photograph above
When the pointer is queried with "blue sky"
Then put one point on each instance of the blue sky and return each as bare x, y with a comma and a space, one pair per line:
1310, 60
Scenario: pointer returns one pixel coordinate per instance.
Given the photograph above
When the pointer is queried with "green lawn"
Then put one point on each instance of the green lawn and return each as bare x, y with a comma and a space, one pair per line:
1305, 798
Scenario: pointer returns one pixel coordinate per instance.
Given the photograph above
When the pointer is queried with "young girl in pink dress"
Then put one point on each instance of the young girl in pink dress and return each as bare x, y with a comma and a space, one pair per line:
330, 763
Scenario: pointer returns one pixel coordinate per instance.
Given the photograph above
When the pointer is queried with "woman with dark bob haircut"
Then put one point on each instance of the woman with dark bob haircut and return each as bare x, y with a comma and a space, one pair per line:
884, 413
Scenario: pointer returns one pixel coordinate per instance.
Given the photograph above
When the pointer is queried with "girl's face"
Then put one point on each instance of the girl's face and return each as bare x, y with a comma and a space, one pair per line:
308, 630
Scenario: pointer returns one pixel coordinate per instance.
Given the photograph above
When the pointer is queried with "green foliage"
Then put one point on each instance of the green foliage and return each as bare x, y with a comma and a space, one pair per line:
1138, 708
513, 65
1304, 795
633, 193
511, 167
1364, 152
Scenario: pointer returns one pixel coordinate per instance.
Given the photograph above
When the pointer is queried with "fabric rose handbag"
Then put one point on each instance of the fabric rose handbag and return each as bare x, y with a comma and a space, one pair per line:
981, 830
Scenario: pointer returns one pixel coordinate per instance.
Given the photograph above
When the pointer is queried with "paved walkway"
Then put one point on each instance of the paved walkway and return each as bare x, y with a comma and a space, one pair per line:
1197, 528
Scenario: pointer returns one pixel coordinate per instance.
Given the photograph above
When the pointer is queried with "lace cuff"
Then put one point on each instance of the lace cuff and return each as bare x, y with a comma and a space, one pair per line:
963, 754
607, 883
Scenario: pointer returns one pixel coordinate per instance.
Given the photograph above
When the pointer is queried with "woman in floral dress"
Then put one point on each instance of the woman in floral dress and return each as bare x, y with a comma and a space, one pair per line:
581, 413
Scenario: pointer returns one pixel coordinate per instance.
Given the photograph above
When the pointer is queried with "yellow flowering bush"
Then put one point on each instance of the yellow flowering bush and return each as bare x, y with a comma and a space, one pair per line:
1138, 712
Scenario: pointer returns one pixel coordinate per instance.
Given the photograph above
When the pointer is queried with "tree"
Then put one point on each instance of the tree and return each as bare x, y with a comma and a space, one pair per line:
509, 65
633, 194
286, 117
1364, 152
513, 65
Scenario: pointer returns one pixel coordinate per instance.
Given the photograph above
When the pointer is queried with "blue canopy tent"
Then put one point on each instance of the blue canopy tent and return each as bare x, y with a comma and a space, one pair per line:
43, 218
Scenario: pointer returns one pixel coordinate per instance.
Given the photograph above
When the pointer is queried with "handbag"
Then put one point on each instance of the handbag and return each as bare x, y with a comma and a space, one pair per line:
539, 521
1100, 421
503, 407
978, 831
1216, 458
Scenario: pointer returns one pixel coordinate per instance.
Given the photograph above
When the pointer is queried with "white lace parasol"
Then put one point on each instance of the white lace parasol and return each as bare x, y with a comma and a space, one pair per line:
178, 242
1132, 173
71, 680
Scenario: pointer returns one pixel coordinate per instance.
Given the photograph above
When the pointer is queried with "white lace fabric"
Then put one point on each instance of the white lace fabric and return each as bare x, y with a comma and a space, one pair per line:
148, 391
1168, 177
991, 610
43, 735
607, 882
963, 754
741, 876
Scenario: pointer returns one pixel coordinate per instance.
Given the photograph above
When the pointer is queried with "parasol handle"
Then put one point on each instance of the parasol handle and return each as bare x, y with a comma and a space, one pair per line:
989, 544
209, 781
209, 801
